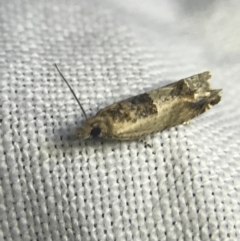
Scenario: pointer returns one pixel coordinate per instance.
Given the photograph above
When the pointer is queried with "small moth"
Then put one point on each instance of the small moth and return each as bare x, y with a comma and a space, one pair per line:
151, 112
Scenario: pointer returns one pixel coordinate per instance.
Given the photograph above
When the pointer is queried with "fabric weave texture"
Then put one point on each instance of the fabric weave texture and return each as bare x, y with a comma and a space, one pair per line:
54, 186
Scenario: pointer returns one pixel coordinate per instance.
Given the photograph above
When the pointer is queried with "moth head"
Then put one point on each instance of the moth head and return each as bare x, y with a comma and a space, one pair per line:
93, 128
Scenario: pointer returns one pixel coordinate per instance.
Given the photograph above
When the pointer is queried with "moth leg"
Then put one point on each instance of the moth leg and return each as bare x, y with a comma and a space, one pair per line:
187, 122
146, 144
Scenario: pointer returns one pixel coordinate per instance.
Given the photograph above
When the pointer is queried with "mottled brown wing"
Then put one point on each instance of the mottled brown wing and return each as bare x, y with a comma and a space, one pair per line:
162, 108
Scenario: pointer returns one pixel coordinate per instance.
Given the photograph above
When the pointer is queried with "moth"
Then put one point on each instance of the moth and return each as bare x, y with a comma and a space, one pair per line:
151, 112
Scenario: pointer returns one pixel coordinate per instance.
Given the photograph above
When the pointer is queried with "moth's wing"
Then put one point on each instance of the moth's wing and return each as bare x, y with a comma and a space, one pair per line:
196, 82
185, 99
183, 87
128, 120
162, 108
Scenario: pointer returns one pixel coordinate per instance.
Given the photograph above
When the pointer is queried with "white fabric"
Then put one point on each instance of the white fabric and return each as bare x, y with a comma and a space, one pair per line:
53, 186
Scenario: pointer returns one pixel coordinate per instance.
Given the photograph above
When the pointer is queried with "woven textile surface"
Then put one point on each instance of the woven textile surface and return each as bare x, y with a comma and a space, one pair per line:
185, 185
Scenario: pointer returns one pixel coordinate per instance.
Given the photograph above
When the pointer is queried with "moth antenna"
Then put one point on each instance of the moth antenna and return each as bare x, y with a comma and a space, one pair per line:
71, 90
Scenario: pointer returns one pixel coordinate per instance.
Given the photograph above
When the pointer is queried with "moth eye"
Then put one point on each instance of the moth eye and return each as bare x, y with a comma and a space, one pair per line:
95, 132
